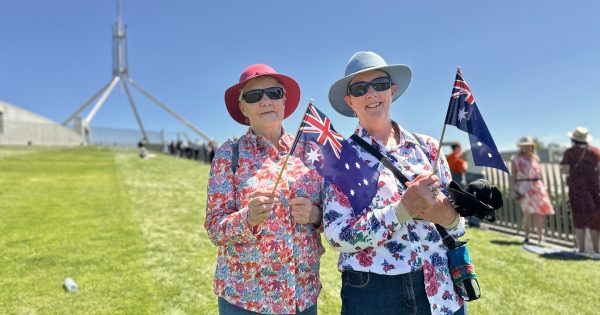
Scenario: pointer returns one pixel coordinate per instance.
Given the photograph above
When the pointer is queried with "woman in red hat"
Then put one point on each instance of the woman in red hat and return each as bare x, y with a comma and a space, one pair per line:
269, 244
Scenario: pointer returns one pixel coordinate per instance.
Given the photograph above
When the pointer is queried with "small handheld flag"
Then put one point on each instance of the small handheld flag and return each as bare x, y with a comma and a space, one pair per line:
336, 160
464, 114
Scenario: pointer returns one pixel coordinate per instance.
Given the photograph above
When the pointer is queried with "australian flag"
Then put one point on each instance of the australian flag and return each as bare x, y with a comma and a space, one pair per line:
335, 159
464, 114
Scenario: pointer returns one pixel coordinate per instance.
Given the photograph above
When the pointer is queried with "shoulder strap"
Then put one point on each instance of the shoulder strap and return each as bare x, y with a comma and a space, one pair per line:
385, 161
235, 152
580, 159
448, 239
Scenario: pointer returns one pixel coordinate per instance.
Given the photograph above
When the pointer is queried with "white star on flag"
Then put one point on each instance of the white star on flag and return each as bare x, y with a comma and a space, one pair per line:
313, 156
479, 143
366, 181
462, 114
490, 155
347, 166
357, 165
352, 192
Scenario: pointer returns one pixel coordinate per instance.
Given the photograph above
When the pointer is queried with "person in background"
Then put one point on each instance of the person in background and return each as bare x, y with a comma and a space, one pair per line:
458, 166
528, 189
581, 163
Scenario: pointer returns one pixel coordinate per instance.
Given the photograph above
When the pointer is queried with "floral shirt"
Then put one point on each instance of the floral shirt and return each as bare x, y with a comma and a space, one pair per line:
273, 267
376, 241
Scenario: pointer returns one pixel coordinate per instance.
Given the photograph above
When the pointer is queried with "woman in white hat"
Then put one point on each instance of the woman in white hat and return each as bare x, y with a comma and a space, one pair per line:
527, 187
269, 242
391, 262
582, 163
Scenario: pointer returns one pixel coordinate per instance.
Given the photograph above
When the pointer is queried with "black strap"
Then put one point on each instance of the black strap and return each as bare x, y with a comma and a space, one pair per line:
385, 161
235, 152
448, 239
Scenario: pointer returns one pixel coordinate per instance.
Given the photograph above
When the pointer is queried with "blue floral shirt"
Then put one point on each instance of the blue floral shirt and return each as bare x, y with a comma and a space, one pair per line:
376, 241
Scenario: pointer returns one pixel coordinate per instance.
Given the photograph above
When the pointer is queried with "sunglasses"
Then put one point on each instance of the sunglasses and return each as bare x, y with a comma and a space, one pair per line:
360, 88
253, 96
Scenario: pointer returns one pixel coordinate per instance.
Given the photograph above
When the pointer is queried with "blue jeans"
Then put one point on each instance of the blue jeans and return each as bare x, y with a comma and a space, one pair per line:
226, 308
365, 293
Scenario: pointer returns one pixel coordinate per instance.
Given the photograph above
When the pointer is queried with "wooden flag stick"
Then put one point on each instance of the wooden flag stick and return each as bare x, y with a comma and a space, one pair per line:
287, 156
437, 159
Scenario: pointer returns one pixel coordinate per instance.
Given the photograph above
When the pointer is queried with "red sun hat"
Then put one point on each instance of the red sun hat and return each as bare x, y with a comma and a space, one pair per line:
232, 94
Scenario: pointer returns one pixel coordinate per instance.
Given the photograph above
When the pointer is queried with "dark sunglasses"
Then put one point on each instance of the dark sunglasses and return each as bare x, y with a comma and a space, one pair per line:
253, 96
360, 88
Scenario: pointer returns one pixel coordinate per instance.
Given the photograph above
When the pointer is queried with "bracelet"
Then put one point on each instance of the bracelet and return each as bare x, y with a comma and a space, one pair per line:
454, 223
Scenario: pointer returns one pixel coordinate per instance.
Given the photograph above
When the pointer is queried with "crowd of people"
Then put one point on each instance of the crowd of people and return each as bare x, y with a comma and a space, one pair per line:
198, 150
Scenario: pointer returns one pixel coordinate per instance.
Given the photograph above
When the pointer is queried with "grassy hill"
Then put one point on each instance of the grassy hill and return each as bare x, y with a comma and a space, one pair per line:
130, 232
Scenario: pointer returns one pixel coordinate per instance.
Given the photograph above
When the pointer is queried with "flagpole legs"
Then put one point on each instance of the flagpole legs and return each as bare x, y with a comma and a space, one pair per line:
437, 159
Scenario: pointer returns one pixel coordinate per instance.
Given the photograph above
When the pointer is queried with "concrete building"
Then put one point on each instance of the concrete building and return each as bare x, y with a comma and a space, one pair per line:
22, 127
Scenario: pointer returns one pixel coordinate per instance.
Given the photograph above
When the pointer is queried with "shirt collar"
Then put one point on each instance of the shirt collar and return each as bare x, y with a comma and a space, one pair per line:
260, 142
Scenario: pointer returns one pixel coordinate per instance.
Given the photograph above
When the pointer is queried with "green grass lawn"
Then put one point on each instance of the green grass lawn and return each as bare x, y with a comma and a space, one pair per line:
130, 232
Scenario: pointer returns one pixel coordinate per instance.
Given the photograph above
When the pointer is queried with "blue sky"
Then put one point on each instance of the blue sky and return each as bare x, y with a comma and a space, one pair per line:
533, 66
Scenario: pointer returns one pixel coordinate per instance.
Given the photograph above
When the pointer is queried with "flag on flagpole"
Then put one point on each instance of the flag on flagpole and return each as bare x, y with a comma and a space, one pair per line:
464, 114
335, 159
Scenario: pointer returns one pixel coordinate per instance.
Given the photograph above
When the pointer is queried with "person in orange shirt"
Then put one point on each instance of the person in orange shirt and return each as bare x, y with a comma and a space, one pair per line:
458, 166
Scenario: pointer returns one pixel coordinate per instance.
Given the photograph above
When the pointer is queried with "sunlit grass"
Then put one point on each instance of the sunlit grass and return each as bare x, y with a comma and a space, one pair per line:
130, 232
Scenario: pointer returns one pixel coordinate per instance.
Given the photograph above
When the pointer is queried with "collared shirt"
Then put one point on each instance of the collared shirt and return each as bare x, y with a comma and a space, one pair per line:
274, 267
376, 241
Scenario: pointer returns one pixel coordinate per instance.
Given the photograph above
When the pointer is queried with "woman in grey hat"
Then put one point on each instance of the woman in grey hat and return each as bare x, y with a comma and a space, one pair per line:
392, 258
582, 163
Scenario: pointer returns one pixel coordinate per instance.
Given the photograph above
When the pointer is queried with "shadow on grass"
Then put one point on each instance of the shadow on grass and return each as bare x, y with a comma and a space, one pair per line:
506, 243
566, 256
551, 252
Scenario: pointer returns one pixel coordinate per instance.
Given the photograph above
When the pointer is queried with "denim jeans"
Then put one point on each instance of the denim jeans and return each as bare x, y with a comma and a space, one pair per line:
368, 293
226, 308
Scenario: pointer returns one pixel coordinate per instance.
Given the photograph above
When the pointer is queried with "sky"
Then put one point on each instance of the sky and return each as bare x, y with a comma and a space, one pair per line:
533, 66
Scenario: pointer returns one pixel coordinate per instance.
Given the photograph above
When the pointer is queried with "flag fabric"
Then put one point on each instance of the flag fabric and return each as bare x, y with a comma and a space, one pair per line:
335, 159
464, 114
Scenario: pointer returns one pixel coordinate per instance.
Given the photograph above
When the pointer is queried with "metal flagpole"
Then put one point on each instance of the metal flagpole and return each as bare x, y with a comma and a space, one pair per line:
121, 73
292, 148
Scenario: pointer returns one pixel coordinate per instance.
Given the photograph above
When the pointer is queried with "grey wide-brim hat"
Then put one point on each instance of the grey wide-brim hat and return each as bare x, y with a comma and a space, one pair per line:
360, 62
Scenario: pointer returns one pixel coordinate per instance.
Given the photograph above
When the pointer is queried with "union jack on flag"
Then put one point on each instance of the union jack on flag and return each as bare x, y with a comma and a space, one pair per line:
317, 123
462, 88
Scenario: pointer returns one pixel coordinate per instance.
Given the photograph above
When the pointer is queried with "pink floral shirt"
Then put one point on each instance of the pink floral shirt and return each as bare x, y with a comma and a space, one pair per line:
375, 241
274, 267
